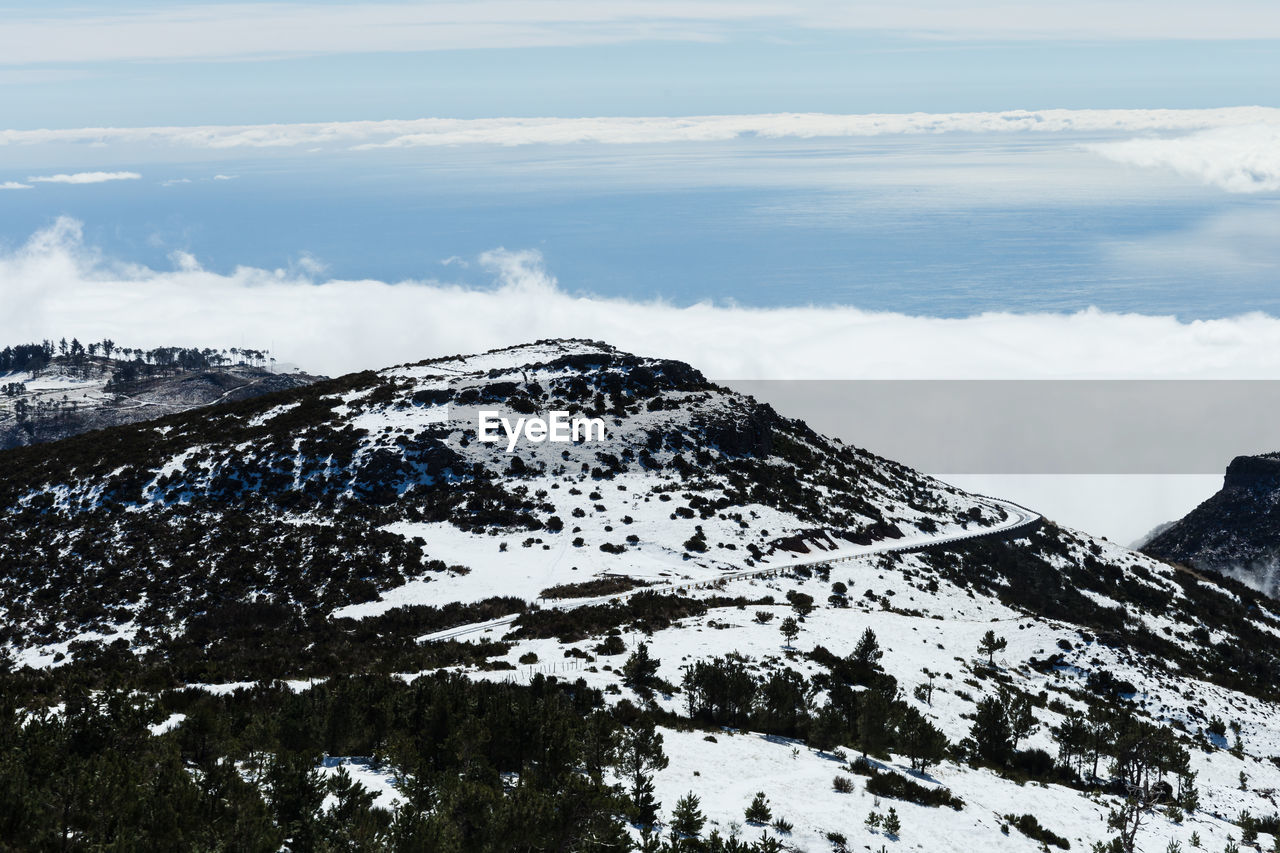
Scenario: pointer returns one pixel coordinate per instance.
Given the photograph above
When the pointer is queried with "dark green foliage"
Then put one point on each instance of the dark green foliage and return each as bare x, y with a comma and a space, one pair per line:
758, 811
790, 629
723, 691
687, 818
800, 602
1030, 827
863, 664
992, 740
990, 644
611, 645
590, 589
640, 672
97, 776
647, 611
921, 741
892, 823
640, 753
886, 783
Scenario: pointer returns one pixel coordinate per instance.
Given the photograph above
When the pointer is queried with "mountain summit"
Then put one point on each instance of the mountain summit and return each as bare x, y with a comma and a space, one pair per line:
326, 496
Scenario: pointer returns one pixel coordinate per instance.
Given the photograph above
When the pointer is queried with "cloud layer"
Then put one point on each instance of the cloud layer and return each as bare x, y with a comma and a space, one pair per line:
55, 285
444, 132
1238, 159
84, 178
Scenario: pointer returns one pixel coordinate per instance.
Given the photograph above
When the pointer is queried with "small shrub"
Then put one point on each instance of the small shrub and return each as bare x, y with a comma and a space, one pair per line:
1029, 826
897, 787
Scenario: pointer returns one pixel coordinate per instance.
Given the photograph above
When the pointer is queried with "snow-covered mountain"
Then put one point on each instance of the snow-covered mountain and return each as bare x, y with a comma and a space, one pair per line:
377, 481
1019, 681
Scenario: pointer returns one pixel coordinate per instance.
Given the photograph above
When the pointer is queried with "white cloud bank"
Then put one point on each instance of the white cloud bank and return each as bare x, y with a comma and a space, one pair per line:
84, 178
14, 185
623, 130
55, 285
189, 31
1238, 159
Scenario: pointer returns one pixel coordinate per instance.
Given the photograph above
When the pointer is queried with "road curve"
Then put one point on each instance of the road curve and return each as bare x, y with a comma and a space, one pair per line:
1019, 521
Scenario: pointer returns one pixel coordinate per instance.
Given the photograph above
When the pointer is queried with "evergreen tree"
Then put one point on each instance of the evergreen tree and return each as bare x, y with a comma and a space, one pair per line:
892, 824
921, 741
864, 663
990, 732
687, 819
759, 812
1073, 738
875, 731
790, 629
641, 754
801, 603
990, 644
1022, 719
640, 672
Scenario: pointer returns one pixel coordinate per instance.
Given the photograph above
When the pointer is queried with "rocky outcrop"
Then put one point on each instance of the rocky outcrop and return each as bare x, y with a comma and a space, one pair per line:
1238, 529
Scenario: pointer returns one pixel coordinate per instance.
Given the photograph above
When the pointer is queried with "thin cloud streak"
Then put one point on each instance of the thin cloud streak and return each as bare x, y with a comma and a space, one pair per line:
56, 285
84, 178
445, 132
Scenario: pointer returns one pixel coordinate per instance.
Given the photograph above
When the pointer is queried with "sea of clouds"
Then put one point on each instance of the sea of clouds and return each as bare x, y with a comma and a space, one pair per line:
55, 284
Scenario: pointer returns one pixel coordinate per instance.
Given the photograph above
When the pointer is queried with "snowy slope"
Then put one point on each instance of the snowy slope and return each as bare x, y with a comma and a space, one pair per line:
365, 506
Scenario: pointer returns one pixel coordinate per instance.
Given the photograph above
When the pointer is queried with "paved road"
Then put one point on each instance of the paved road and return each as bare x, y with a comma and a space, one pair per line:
1019, 521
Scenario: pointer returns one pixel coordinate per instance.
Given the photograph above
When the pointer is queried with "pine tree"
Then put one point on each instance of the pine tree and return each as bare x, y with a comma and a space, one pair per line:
990, 644
863, 664
790, 629
687, 819
1248, 828
875, 729
759, 812
640, 672
1022, 720
990, 732
641, 754
892, 825
921, 741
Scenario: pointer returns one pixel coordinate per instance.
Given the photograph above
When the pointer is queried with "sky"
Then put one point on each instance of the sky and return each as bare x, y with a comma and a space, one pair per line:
813, 190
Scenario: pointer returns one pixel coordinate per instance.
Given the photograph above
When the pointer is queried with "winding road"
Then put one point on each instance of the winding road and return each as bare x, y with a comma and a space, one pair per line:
1018, 522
